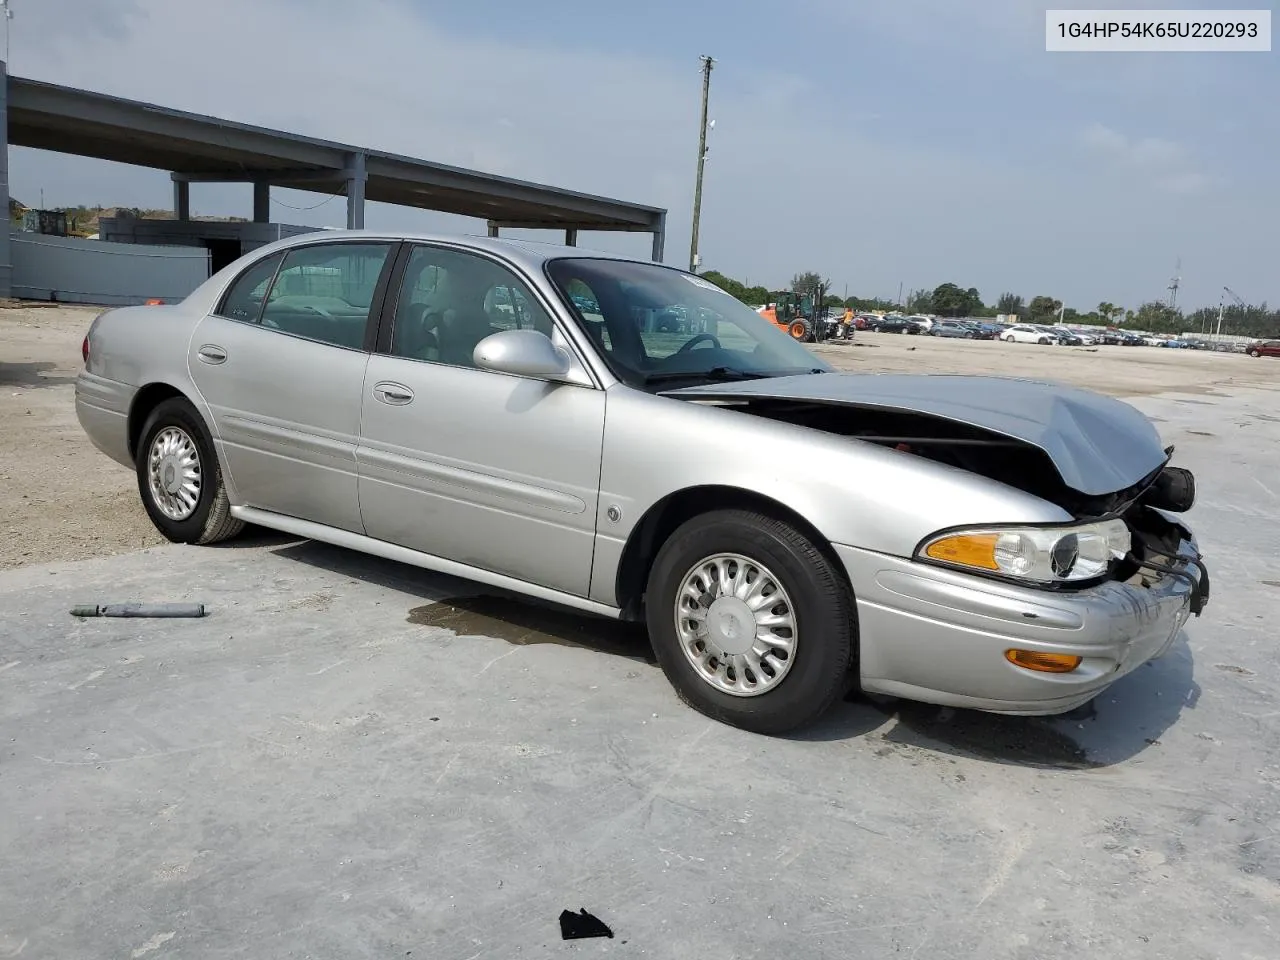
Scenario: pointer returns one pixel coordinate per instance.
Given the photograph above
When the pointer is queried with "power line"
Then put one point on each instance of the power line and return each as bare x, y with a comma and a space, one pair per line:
332, 196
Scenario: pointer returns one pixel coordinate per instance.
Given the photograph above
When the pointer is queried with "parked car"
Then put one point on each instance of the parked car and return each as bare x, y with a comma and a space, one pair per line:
893, 324
1122, 338
1010, 546
951, 328
1265, 348
986, 331
1026, 333
1066, 337
1088, 338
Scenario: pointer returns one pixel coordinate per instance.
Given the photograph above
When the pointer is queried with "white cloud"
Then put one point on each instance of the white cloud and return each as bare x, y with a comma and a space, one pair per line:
1162, 164
1143, 152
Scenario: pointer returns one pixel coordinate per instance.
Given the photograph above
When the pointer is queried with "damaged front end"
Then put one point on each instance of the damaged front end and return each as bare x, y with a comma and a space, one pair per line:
1098, 459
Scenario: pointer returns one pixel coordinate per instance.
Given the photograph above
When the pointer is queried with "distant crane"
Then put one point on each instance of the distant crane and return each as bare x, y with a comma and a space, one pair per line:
1221, 306
1173, 284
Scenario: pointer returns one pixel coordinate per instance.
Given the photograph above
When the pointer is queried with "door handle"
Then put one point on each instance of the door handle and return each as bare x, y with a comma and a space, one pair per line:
212, 353
396, 394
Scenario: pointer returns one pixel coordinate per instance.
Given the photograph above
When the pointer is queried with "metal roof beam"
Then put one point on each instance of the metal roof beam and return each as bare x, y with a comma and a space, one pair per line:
569, 223
276, 177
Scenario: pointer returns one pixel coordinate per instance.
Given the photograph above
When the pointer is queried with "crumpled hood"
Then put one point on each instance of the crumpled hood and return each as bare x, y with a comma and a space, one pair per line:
1098, 445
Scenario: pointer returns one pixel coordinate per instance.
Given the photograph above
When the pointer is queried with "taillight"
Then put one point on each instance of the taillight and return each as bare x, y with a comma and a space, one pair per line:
155, 302
84, 349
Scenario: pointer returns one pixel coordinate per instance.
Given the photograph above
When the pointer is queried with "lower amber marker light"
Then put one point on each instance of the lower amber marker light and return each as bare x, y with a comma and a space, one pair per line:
1043, 662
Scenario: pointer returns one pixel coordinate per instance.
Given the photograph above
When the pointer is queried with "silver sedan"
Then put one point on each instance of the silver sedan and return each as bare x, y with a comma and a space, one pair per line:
528, 417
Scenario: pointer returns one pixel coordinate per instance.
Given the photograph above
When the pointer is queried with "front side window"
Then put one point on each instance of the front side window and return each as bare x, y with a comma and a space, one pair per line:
243, 299
449, 301
655, 326
325, 292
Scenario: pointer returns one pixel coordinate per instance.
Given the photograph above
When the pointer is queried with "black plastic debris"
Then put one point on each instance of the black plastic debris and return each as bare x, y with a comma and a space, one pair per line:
580, 926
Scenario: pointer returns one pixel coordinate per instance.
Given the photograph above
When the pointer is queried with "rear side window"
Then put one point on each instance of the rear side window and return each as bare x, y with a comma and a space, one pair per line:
325, 292
243, 301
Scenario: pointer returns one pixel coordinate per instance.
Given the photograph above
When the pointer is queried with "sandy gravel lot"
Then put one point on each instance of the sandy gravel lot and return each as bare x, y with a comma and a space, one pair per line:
62, 500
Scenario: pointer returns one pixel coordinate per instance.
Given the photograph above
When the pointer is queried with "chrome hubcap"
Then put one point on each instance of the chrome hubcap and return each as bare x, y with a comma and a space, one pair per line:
173, 469
736, 625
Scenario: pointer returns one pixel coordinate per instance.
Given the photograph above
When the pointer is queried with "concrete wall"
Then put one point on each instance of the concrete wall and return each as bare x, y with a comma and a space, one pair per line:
72, 270
220, 236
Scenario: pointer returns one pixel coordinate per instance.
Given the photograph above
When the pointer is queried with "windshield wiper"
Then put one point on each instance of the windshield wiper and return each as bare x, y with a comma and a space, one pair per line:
715, 374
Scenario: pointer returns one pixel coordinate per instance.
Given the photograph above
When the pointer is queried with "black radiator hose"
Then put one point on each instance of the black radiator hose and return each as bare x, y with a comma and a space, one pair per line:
1174, 490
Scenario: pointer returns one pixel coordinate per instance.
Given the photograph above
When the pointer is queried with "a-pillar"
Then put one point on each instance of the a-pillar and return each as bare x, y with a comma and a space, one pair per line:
355, 191
261, 202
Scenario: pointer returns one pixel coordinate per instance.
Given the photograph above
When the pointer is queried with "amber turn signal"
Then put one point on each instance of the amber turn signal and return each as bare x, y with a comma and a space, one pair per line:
1044, 662
967, 550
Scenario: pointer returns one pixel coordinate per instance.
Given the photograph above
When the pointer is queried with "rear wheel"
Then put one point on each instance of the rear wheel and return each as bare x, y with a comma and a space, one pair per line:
799, 330
750, 621
1255, 353
179, 478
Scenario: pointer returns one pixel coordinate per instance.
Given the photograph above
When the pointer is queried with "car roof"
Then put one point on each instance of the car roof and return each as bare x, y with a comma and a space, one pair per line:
531, 254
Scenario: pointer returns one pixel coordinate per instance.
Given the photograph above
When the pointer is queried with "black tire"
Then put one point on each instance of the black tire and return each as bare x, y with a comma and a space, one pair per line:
1255, 353
211, 520
1043, 341
826, 632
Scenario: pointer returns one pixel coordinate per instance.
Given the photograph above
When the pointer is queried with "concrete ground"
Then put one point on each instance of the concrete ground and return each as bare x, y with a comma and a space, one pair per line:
336, 763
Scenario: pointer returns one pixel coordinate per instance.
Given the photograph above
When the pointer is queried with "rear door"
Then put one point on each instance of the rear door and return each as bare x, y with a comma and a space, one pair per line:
281, 364
496, 471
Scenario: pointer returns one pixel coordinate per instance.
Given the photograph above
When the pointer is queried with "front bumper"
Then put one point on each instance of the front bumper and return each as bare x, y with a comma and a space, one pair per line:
939, 636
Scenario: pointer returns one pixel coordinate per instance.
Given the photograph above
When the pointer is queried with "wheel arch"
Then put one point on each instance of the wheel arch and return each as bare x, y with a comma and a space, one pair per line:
144, 401
666, 515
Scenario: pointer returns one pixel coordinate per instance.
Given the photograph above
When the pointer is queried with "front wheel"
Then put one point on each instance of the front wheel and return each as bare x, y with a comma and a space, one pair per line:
1255, 353
751, 622
179, 477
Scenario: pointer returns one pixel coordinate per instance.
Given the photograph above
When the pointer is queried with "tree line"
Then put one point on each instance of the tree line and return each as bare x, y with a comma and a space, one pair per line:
953, 300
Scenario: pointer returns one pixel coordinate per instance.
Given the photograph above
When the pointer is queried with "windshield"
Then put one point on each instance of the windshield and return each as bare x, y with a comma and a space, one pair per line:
655, 326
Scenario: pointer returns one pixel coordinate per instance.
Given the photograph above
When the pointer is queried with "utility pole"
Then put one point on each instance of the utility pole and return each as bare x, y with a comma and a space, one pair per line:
707, 63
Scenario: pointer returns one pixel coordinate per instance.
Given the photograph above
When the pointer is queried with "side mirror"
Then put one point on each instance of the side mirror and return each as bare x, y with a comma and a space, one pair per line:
525, 353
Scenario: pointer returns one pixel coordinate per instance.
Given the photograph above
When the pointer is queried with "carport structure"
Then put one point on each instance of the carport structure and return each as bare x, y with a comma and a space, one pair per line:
202, 149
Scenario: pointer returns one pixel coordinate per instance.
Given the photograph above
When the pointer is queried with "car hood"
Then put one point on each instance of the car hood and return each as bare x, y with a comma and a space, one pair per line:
1097, 444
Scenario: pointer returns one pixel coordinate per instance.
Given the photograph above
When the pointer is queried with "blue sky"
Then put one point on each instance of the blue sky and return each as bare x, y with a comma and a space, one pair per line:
878, 141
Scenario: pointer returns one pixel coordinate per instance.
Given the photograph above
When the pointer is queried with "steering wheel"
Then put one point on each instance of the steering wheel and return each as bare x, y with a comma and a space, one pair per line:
689, 344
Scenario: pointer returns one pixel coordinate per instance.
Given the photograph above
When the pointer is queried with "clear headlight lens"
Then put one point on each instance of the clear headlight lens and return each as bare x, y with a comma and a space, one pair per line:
1035, 554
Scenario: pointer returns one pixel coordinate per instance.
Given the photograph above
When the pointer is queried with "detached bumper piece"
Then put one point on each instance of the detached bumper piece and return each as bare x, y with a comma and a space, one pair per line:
1198, 581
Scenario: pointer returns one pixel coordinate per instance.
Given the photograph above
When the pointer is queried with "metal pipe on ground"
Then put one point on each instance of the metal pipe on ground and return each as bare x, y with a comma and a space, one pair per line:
140, 610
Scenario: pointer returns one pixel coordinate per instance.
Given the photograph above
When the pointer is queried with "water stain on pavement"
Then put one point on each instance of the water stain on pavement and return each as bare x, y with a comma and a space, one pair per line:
523, 623
1028, 741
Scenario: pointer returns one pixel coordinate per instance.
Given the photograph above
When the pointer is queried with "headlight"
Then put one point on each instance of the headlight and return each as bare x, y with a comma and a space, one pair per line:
1033, 554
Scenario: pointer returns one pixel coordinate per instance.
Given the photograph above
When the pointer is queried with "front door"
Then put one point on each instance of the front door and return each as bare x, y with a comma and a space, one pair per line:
281, 365
498, 472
